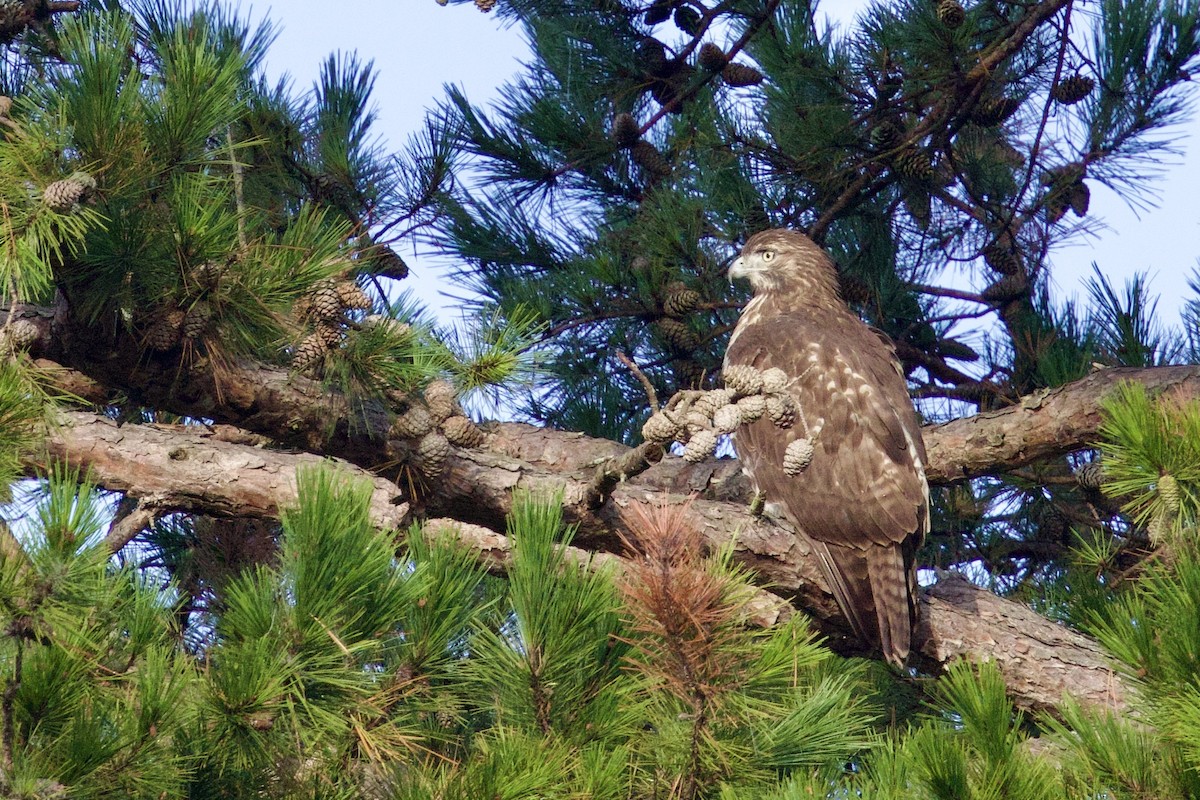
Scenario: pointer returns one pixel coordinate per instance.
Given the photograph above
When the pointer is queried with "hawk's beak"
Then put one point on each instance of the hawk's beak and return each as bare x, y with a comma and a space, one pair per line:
738, 270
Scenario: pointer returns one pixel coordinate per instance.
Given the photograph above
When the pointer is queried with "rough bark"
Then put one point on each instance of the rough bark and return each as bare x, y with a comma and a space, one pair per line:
211, 472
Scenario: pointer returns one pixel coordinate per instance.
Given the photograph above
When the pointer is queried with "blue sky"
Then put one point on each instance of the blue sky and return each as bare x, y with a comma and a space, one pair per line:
419, 46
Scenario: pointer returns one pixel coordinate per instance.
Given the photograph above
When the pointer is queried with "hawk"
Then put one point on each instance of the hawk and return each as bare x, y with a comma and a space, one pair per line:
862, 501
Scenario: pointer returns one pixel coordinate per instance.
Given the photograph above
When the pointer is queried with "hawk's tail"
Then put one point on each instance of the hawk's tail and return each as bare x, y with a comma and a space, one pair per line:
876, 590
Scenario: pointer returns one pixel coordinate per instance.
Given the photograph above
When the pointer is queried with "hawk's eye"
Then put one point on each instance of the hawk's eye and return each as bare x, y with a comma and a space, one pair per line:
768, 255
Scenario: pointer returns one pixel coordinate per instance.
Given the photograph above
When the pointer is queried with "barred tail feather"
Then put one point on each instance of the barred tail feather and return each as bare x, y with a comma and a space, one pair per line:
876, 591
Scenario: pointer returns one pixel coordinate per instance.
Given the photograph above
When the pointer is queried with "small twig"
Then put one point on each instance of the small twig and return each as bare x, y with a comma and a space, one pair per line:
130, 520
613, 471
651, 395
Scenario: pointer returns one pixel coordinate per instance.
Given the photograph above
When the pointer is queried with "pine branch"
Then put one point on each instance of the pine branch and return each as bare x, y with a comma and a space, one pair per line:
1041, 659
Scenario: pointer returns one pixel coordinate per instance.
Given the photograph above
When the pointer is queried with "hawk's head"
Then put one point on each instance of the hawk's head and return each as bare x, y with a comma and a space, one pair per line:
785, 262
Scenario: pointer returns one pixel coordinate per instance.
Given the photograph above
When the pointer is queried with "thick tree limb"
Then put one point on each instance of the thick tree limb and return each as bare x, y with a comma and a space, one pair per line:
190, 469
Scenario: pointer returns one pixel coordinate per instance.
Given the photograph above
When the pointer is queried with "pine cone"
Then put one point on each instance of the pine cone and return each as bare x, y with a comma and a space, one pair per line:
695, 421
1056, 206
441, 400
463, 432
207, 275
651, 56
62, 196
738, 75
887, 134
393, 326
1002, 258
1073, 89
432, 451
1168, 492
163, 332
387, 263
412, 424
993, 110
351, 296
950, 13
774, 380
646, 156
660, 429
485, 5
196, 320
1079, 197
797, 456
782, 410
681, 300
328, 335
687, 19
21, 333
1006, 289
323, 301
913, 164
727, 419
1090, 475
752, 408
743, 379
711, 57
6, 105
309, 353
625, 130
658, 12
678, 335
700, 446
708, 403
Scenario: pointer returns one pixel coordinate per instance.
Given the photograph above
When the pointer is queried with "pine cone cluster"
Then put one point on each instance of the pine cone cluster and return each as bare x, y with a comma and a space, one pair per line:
435, 421
1066, 190
696, 418
1073, 89
485, 5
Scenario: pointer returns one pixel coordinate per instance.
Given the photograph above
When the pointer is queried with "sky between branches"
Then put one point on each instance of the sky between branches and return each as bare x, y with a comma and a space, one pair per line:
419, 46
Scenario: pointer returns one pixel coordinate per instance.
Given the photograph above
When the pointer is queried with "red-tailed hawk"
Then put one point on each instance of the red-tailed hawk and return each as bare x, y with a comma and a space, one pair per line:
862, 500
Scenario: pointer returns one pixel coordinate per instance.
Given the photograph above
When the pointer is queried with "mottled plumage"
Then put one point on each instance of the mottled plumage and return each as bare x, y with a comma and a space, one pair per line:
863, 501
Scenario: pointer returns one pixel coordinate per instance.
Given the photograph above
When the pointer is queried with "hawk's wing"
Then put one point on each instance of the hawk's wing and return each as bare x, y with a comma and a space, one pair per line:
863, 500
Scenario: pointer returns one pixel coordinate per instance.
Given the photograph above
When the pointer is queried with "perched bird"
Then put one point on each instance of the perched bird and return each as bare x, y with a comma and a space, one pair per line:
862, 501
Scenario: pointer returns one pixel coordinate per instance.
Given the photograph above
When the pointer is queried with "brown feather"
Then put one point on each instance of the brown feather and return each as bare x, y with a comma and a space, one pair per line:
863, 501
